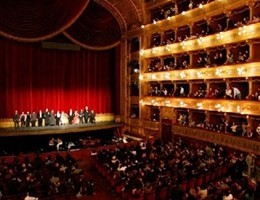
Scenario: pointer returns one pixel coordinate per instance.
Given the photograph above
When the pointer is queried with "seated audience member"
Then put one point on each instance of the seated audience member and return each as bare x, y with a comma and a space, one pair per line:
241, 57
202, 192
16, 119
228, 196
182, 92
244, 129
258, 131
234, 128
29, 197
59, 143
236, 93
250, 134
229, 94
52, 144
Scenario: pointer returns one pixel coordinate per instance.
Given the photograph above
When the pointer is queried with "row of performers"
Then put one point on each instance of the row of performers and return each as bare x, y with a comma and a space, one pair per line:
50, 118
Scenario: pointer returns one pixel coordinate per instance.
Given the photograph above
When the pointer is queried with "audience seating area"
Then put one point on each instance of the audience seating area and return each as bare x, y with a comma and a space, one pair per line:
175, 171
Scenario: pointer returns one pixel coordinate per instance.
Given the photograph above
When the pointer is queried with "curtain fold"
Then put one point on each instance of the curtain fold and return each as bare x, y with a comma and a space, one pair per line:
33, 78
31, 21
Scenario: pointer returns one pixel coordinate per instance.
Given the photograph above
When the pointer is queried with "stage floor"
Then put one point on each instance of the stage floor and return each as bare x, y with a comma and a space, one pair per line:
48, 130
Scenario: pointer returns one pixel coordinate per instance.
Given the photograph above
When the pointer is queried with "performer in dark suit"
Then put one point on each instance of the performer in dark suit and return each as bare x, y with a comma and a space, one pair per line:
58, 116
47, 117
40, 118
92, 117
70, 116
28, 119
16, 119
81, 116
86, 114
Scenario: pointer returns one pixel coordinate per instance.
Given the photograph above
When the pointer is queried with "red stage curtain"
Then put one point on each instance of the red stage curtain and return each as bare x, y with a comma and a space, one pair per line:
33, 78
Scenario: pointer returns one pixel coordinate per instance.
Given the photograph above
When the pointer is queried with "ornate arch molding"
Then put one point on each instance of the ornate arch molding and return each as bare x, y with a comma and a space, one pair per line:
128, 10
31, 21
115, 12
96, 28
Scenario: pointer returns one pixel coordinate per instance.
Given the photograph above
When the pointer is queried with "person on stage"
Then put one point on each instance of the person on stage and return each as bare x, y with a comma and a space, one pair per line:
16, 119
70, 116
63, 118
76, 117
81, 116
22, 119
86, 114
40, 118
34, 119
28, 119
92, 117
47, 117
52, 118
58, 116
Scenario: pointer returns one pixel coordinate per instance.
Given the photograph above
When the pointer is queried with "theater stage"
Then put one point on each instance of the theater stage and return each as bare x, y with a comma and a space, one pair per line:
50, 130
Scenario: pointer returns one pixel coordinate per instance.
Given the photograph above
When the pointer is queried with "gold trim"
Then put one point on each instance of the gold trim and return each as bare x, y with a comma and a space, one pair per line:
218, 105
223, 38
226, 71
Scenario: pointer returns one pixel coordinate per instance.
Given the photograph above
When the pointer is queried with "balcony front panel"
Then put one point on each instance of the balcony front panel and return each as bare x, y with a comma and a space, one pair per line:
219, 105
234, 142
226, 71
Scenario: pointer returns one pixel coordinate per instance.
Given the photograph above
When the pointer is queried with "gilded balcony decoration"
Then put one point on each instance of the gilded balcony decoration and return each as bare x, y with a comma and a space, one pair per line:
152, 125
189, 17
225, 71
240, 34
229, 106
240, 143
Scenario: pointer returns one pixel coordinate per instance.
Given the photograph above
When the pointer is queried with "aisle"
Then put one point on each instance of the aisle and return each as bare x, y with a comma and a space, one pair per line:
102, 187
